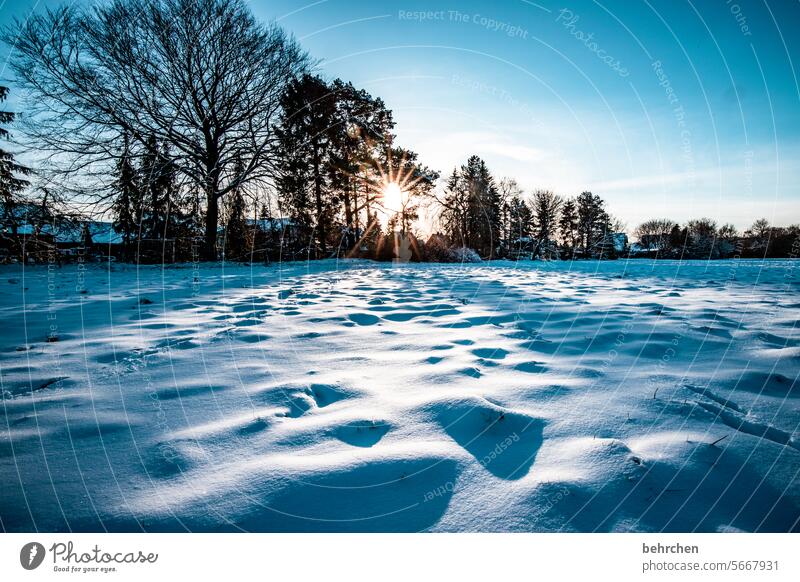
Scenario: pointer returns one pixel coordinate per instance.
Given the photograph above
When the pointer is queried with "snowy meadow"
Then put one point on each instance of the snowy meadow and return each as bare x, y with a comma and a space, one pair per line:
358, 396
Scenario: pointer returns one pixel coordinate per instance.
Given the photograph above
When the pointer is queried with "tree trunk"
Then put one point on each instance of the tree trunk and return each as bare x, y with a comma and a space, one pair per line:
321, 230
348, 209
212, 220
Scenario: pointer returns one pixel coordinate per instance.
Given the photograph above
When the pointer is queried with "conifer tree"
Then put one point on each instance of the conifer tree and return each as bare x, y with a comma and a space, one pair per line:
10, 182
568, 224
236, 235
127, 205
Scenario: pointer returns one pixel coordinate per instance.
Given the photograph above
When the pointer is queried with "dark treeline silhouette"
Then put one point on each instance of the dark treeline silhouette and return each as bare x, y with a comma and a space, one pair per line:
704, 239
176, 130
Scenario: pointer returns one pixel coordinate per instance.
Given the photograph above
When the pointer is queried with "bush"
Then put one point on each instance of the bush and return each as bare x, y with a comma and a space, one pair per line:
464, 255
437, 250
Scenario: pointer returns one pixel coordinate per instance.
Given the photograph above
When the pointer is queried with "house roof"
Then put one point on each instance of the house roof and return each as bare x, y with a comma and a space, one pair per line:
102, 233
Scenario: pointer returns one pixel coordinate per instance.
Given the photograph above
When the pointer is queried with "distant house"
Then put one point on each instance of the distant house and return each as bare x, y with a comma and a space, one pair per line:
272, 238
66, 236
522, 248
102, 235
637, 249
620, 242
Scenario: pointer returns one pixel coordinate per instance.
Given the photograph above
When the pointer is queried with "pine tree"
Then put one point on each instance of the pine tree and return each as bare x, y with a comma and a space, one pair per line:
156, 182
483, 208
592, 222
303, 156
10, 182
520, 219
127, 206
455, 209
546, 207
236, 235
568, 224
361, 142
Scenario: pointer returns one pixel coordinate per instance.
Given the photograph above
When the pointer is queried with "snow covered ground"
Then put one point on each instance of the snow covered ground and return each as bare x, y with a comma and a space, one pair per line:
353, 396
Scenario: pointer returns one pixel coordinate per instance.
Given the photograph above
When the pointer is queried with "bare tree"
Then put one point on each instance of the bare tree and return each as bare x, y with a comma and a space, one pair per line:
654, 233
509, 190
199, 75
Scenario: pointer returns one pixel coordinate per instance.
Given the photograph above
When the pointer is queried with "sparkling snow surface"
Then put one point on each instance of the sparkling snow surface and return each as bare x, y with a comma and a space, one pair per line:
353, 396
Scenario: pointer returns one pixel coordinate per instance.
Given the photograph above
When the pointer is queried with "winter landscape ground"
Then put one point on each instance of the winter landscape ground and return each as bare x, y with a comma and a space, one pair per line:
356, 396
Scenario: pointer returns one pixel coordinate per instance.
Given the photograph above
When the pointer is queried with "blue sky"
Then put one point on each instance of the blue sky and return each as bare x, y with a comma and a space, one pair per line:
663, 107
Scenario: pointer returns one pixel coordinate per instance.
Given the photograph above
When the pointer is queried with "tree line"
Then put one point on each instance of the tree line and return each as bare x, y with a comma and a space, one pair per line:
190, 123
703, 238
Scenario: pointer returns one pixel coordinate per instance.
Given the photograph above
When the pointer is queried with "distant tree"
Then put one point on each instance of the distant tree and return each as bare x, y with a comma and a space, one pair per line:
592, 222
654, 234
678, 240
414, 179
127, 202
362, 142
546, 207
760, 235
509, 190
236, 233
727, 240
455, 208
483, 208
520, 219
568, 224
304, 156
786, 242
10, 182
760, 228
203, 76
702, 238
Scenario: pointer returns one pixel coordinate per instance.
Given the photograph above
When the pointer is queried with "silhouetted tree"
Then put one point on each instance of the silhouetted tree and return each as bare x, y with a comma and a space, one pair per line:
654, 234
236, 240
127, 203
592, 222
546, 206
568, 225
10, 182
202, 76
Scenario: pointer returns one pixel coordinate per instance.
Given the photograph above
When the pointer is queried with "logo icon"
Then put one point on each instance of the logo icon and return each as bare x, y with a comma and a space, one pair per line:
31, 555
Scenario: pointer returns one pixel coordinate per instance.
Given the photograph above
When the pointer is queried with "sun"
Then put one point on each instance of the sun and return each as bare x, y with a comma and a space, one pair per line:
392, 197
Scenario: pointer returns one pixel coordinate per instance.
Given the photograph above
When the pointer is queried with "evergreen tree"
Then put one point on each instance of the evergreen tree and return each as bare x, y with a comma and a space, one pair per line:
127, 205
455, 209
508, 188
520, 220
568, 224
157, 185
483, 208
304, 152
678, 238
592, 222
236, 235
10, 182
546, 207
361, 143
